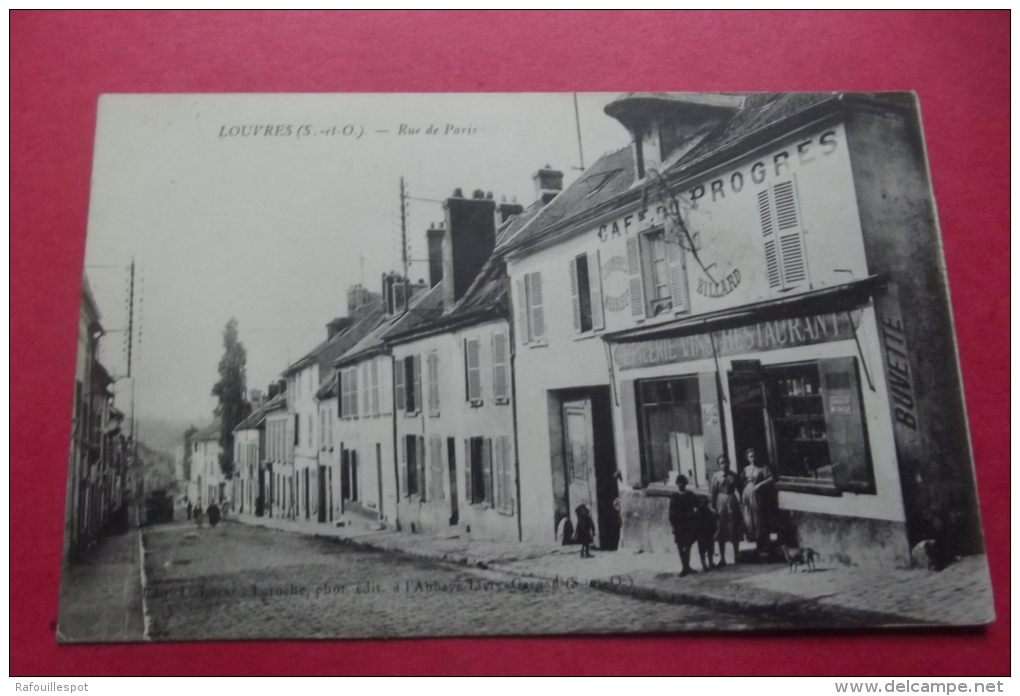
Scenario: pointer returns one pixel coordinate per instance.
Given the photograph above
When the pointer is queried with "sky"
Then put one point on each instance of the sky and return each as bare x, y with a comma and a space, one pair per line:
267, 208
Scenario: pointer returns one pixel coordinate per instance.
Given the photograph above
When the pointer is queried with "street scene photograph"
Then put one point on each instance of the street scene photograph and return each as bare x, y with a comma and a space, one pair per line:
395, 365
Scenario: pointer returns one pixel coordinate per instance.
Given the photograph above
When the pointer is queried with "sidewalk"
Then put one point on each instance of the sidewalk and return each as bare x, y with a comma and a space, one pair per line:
833, 595
101, 594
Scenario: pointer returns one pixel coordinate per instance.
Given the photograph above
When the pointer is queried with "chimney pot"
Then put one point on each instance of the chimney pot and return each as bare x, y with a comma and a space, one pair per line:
478, 194
458, 193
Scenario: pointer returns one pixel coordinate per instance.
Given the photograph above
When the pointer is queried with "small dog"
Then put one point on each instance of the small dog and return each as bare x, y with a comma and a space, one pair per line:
800, 557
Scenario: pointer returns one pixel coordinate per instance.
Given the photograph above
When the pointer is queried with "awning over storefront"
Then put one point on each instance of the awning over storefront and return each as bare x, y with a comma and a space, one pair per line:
840, 298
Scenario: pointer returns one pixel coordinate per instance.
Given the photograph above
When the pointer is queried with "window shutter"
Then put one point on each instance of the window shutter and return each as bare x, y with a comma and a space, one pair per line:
598, 315
791, 239
474, 369
343, 393
435, 457
844, 425
575, 296
499, 367
677, 275
420, 464
416, 371
768, 233
487, 468
637, 285
366, 401
297, 428
469, 491
522, 311
375, 387
398, 382
434, 382
498, 464
354, 391
537, 309
403, 467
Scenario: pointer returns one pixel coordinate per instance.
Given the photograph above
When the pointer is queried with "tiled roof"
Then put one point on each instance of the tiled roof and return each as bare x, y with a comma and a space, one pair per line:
425, 307
364, 319
209, 432
605, 183
258, 415
488, 297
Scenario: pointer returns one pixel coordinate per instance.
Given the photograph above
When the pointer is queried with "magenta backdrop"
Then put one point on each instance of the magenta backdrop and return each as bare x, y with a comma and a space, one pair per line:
958, 63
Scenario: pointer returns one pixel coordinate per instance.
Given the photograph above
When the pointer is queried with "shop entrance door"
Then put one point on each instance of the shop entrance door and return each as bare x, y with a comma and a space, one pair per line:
322, 493
580, 459
750, 418
451, 456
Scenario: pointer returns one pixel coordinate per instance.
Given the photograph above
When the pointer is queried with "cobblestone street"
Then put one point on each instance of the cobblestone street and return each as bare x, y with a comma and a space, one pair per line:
237, 581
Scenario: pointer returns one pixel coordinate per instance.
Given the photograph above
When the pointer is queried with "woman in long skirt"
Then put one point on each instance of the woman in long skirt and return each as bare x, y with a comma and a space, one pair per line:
755, 500
724, 498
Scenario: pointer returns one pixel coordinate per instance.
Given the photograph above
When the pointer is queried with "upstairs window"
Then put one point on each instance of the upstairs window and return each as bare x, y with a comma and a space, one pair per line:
473, 370
531, 308
783, 237
432, 362
586, 293
500, 368
374, 371
412, 383
349, 392
658, 277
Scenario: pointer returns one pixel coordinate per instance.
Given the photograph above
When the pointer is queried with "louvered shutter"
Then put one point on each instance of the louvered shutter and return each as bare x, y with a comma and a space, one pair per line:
375, 387
420, 463
677, 275
575, 296
637, 285
500, 383
403, 467
398, 382
844, 425
416, 373
487, 468
366, 400
535, 300
344, 407
523, 327
436, 460
354, 391
792, 261
768, 233
474, 369
598, 315
498, 464
469, 491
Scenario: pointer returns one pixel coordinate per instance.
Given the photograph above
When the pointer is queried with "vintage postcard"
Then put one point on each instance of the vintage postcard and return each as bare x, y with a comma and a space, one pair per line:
384, 365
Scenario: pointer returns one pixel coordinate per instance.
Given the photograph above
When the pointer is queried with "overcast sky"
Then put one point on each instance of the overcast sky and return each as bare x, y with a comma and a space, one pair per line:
272, 229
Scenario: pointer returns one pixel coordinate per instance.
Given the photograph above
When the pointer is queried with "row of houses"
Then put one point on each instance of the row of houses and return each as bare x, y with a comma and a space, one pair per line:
753, 272
98, 478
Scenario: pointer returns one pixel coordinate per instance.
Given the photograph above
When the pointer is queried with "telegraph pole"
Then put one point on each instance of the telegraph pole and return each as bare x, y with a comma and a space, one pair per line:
403, 225
131, 320
577, 121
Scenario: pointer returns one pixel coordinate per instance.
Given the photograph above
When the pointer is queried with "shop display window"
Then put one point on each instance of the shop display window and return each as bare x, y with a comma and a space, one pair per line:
671, 429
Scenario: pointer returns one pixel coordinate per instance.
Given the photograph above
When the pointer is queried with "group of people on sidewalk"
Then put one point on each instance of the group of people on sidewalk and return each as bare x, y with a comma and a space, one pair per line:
739, 506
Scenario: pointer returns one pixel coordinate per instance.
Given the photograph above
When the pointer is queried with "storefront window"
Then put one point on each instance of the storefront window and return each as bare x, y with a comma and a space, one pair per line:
807, 419
671, 429
798, 417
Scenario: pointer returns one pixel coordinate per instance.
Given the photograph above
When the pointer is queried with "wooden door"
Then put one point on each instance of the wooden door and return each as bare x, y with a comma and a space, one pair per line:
580, 458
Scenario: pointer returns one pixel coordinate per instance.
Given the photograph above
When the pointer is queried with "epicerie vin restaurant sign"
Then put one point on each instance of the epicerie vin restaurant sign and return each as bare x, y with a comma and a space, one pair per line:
755, 338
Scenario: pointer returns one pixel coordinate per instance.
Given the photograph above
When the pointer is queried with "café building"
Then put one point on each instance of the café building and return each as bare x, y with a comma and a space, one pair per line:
757, 272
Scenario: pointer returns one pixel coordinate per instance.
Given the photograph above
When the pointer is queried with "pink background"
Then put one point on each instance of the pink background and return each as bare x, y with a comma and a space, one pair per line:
61, 62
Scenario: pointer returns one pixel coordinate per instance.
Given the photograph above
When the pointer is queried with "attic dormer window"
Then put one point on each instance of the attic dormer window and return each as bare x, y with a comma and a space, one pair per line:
647, 150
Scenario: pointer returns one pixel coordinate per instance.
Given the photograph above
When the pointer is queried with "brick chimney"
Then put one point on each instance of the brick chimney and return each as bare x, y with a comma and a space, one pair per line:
508, 210
357, 295
548, 184
468, 243
435, 236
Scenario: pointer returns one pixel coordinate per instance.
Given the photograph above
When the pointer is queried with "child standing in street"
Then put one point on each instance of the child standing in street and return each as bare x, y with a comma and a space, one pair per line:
584, 533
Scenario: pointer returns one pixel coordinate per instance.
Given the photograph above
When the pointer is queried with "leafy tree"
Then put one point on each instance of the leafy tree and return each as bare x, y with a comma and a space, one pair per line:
187, 451
232, 407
